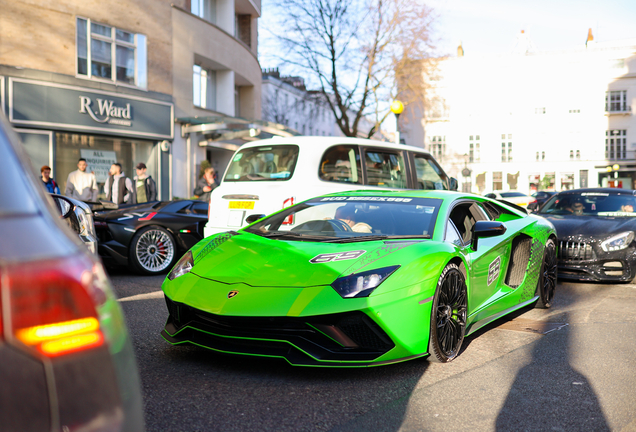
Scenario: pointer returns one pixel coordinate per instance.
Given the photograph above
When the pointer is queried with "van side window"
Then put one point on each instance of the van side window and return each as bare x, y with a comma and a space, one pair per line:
385, 168
428, 173
341, 164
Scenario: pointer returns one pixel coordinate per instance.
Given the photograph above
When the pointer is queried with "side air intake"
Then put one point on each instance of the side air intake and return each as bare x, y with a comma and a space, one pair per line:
519, 258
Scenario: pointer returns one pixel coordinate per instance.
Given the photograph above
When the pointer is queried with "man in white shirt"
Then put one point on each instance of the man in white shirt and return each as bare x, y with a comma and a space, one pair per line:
80, 184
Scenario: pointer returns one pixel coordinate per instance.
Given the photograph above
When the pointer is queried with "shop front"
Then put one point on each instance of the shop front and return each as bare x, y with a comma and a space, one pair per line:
60, 123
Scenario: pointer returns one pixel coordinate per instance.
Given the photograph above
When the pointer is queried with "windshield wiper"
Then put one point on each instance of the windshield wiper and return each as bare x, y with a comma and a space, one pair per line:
378, 237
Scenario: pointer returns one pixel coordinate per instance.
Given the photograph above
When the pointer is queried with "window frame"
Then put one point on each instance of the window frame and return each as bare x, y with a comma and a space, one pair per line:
135, 45
413, 169
456, 204
405, 160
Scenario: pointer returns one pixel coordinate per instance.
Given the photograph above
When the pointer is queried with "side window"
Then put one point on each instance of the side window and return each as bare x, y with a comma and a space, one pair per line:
385, 168
429, 174
341, 164
452, 236
464, 217
200, 208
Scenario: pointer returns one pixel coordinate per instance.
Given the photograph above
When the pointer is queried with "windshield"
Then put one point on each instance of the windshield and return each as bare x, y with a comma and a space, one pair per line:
353, 218
591, 204
263, 163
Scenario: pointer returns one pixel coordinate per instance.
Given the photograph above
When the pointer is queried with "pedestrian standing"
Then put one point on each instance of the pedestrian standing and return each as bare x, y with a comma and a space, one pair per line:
80, 184
49, 183
205, 185
119, 188
145, 186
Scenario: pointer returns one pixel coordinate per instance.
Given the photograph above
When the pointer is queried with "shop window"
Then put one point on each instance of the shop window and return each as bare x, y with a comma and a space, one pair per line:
205, 9
109, 53
203, 87
497, 180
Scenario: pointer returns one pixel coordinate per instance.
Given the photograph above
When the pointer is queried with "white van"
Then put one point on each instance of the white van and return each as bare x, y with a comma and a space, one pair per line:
268, 175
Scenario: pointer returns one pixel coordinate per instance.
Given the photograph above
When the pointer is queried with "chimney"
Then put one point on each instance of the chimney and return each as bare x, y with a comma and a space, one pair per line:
460, 50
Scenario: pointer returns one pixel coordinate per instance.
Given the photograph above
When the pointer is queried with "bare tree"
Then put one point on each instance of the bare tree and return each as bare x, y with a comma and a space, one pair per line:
356, 52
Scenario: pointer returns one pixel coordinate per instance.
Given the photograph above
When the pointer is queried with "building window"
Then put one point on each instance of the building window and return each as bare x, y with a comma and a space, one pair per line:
537, 156
542, 155
578, 155
616, 144
571, 154
438, 147
108, 53
506, 149
497, 180
203, 87
205, 9
474, 151
616, 101
539, 110
575, 111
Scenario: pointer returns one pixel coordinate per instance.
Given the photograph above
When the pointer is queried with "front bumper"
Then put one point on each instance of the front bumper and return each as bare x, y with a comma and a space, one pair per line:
589, 263
342, 339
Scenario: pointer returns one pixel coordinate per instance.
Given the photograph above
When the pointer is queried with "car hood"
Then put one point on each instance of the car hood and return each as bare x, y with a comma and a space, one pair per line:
593, 226
258, 261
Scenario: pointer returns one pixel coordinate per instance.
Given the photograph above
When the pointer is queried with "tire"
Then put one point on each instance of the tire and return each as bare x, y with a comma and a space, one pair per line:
152, 251
546, 287
448, 315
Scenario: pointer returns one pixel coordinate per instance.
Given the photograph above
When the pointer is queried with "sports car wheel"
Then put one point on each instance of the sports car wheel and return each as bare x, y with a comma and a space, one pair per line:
152, 250
548, 277
448, 316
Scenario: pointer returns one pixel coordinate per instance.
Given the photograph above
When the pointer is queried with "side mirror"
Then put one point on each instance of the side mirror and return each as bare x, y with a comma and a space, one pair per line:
483, 229
64, 205
452, 184
253, 218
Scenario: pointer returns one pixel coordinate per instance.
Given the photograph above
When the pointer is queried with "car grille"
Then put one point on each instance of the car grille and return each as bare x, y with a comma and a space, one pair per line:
575, 251
316, 335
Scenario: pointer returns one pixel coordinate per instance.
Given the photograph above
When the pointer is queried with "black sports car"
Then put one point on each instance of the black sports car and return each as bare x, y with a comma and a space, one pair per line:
149, 237
595, 229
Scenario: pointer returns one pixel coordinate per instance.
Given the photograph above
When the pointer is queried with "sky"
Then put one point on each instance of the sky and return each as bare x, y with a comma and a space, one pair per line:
487, 27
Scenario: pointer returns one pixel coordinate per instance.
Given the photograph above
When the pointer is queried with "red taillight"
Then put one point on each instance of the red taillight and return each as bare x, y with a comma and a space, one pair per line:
51, 304
289, 220
150, 216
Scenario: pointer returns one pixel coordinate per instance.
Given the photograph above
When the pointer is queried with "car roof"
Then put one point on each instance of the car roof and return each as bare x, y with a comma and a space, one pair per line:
611, 191
323, 142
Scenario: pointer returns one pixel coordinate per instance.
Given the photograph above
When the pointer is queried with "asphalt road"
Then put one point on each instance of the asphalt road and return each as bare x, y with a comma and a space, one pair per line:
579, 376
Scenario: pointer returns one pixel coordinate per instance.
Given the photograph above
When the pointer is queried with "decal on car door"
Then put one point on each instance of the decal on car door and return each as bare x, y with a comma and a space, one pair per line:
493, 270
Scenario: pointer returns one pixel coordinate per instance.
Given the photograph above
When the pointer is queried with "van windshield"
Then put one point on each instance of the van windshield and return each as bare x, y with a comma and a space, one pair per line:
266, 163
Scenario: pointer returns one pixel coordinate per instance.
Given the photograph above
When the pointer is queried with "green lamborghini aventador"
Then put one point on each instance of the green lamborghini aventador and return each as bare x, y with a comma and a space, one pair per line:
361, 278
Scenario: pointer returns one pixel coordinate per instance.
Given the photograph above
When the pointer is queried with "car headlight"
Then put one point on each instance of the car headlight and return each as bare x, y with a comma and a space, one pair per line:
184, 266
362, 284
618, 242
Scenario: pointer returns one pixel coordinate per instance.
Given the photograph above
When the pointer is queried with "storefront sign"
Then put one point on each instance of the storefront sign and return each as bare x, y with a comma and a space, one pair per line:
99, 162
64, 107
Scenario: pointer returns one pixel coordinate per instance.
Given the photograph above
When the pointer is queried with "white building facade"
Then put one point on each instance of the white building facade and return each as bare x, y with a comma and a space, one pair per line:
533, 121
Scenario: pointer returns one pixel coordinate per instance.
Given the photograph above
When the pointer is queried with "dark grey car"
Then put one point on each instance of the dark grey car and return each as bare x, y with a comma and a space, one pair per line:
66, 359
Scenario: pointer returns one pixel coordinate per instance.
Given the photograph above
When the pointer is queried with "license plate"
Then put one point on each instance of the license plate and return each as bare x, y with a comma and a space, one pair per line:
243, 205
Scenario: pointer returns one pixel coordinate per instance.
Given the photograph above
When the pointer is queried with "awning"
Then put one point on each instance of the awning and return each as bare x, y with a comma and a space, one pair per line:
231, 132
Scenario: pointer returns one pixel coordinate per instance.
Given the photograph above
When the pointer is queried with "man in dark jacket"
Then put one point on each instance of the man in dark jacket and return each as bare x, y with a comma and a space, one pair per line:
205, 185
50, 184
119, 188
145, 186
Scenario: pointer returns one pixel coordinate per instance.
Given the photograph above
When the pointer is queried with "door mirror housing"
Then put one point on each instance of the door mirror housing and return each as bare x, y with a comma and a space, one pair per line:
483, 229
452, 184
253, 218
64, 205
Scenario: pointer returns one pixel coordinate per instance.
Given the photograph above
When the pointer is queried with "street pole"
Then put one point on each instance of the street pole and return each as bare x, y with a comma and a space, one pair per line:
396, 108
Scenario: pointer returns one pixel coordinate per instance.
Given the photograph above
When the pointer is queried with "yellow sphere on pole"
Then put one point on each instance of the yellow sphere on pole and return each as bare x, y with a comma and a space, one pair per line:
397, 107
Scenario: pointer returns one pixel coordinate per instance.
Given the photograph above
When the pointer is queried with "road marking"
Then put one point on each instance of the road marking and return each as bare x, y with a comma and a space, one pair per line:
146, 296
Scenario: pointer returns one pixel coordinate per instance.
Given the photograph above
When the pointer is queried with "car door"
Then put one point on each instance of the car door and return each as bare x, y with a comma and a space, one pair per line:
486, 264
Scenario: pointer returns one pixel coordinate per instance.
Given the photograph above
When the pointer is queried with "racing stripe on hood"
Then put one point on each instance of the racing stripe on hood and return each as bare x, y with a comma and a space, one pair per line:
376, 254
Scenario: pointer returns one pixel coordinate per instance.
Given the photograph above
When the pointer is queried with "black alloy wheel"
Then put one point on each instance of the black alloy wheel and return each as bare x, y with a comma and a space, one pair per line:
448, 315
152, 250
546, 287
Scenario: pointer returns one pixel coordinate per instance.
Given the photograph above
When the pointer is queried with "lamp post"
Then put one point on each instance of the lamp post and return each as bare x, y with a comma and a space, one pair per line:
396, 108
